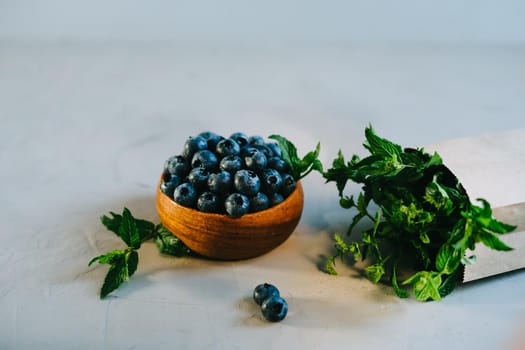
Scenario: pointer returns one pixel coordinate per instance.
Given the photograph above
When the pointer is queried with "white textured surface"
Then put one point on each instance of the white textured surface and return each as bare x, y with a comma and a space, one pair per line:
86, 128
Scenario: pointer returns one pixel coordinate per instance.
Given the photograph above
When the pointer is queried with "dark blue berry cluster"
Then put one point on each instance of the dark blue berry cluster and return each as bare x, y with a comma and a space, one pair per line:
273, 307
236, 175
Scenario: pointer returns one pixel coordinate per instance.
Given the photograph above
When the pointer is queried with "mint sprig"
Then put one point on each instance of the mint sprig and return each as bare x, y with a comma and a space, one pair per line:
123, 263
167, 243
299, 167
117, 224
422, 214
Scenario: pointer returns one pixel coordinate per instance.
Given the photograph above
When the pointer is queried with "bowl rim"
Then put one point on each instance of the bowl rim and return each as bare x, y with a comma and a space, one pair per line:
224, 216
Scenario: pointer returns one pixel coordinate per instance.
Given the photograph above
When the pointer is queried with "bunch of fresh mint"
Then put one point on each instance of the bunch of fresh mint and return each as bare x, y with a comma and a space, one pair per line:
423, 216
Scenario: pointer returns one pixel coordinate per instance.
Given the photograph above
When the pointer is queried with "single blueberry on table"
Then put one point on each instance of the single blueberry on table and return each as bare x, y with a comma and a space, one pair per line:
259, 202
208, 202
246, 182
274, 309
185, 195
271, 180
264, 291
240, 138
198, 177
205, 159
289, 184
194, 144
221, 182
231, 164
236, 205
255, 161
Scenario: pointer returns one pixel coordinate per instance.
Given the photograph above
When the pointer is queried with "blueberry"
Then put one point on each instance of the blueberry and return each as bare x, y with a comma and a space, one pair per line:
246, 182
177, 165
227, 147
231, 164
208, 202
264, 291
237, 205
247, 150
275, 198
205, 159
166, 176
264, 149
169, 183
255, 161
277, 164
220, 183
240, 138
271, 181
186, 195
289, 184
274, 309
276, 150
259, 202
212, 138
256, 140
198, 177
194, 144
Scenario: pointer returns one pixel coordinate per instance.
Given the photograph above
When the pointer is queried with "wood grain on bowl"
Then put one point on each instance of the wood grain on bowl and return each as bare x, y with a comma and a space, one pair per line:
222, 237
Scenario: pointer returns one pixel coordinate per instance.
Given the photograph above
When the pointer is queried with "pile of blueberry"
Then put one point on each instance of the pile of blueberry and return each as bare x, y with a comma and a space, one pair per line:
273, 307
236, 175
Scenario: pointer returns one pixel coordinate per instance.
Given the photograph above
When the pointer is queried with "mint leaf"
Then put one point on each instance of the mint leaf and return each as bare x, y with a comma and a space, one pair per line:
167, 243
341, 248
448, 285
113, 222
128, 230
347, 202
397, 289
132, 261
338, 173
330, 266
500, 227
375, 272
289, 152
117, 274
379, 146
107, 258
299, 167
447, 259
123, 264
426, 285
491, 241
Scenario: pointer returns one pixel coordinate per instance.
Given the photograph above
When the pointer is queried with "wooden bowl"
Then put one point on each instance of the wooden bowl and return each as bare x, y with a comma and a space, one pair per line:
219, 236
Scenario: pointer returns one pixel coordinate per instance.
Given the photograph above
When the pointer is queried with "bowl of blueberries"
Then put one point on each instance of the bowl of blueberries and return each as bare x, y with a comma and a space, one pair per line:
229, 198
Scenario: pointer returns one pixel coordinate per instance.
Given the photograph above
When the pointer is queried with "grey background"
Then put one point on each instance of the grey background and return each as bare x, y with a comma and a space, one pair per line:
268, 22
